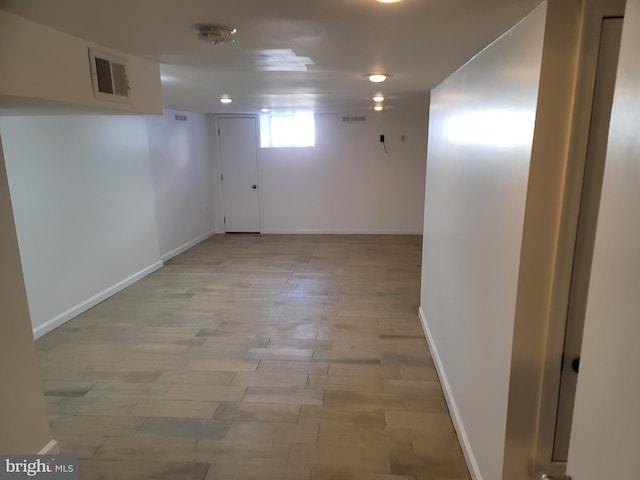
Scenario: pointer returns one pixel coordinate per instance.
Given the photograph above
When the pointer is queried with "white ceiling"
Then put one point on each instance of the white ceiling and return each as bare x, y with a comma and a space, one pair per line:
419, 42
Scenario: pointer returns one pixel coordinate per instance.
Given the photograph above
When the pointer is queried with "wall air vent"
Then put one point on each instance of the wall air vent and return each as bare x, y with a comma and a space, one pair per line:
354, 119
109, 77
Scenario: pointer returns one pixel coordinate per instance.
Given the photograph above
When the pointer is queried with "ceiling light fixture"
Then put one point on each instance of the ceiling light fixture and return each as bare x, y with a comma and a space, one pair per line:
377, 77
225, 99
378, 98
378, 108
264, 110
388, 1
216, 34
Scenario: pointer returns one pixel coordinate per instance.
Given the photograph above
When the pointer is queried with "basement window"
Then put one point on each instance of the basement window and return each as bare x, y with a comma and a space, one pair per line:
288, 130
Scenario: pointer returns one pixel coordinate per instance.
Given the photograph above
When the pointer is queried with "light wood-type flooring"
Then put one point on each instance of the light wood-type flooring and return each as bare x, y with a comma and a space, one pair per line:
257, 357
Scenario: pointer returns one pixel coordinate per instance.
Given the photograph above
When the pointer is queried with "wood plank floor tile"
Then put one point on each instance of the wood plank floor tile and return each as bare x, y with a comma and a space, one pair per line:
346, 417
359, 458
195, 377
346, 383
174, 408
83, 446
200, 429
266, 432
93, 469
147, 449
78, 406
290, 367
211, 393
332, 473
284, 395
227, 471
261, 378
262, 454
258, 412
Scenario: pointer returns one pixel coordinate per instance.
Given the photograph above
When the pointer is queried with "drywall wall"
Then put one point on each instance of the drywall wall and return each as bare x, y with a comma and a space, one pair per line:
605, 434
40, 63
480, 141
181, 165
347, 183
84, 209
23, 414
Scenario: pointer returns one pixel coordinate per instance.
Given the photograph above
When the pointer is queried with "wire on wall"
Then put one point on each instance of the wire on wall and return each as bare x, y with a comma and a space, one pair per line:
384, 145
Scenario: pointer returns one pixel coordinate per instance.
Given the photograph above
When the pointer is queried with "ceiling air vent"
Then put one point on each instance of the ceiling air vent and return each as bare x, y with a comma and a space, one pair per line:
216, 34
109, 77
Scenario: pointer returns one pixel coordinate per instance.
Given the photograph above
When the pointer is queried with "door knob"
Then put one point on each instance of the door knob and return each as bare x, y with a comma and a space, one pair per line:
254, 186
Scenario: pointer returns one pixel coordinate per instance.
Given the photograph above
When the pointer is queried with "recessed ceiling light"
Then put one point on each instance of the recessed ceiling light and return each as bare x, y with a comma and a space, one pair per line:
225, 100
377, 77
264, 110
378, 108
388, 1
378, 98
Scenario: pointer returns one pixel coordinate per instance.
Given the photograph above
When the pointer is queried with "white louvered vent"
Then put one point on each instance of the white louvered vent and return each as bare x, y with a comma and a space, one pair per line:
109, 77
354, 119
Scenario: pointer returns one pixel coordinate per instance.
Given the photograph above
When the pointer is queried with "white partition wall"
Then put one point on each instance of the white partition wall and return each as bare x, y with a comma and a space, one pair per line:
83, 203
182, 171
480, 143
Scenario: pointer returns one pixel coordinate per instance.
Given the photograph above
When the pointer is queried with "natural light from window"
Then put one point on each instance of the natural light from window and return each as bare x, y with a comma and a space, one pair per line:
287, 130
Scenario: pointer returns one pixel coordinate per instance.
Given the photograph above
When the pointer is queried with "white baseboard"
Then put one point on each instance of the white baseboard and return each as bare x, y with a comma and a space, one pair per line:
51, 448
183, 248
67, 315
470, 458
335, 231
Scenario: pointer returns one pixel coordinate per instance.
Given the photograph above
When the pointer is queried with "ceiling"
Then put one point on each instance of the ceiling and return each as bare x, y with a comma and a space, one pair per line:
289, 54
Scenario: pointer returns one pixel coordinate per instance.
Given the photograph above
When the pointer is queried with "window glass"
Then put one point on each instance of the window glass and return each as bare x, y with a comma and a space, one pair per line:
295, 130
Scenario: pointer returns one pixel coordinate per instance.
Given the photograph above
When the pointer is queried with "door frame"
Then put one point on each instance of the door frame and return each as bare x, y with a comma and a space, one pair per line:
594, 12
549, 234
215, 134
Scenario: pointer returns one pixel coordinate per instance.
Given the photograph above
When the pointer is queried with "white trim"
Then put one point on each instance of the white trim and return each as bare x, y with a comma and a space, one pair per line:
76, 310
51, 448
336, 231
183, 248
470, 458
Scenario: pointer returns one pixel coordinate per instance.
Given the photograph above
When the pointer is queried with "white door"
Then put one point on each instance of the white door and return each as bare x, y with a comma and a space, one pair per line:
239, 162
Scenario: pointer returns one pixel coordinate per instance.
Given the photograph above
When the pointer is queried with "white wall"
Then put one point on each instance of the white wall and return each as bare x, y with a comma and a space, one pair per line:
23, 414
605, 438
181, 165
84, 209
480, 142
347, 184
40, 63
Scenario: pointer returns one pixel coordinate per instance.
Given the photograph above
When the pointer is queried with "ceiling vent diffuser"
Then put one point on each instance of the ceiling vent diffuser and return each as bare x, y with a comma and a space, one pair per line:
109, 76
216, 34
